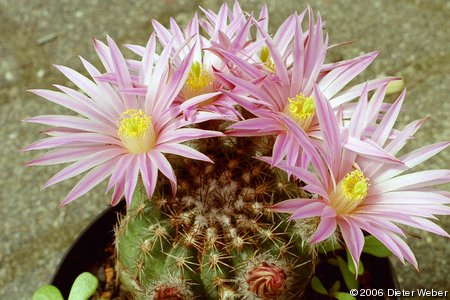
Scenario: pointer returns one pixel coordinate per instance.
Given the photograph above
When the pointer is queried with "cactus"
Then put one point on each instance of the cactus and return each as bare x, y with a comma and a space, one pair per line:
215, 239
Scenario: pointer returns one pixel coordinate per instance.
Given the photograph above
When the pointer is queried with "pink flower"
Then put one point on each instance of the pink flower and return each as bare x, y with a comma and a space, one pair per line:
201, 91
360, 185
118, 135
281, 85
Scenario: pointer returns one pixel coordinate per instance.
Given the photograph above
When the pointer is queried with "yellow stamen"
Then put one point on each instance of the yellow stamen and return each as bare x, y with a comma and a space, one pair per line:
199, 81
136, 131
301, 109
350, 192
265, 58
354, 186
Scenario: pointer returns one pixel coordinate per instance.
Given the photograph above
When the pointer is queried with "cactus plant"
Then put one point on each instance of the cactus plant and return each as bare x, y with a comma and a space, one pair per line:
215, 239
254, 119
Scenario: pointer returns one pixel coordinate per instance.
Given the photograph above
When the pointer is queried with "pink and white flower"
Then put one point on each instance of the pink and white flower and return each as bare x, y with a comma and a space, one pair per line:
118, 135
201, 91
287, 91
360, 186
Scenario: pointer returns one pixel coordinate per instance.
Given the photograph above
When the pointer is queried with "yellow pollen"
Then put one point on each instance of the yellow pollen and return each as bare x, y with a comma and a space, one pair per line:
136, 131
355, 186
265, 58
133, 123
301, 107
350, 192
198, 78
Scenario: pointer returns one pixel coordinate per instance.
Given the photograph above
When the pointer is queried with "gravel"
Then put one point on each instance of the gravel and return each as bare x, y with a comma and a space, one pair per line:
34, 232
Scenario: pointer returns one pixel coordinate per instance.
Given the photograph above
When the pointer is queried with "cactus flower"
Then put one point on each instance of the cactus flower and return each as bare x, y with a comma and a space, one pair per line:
201, 91
359, 183
286, 90
117, 135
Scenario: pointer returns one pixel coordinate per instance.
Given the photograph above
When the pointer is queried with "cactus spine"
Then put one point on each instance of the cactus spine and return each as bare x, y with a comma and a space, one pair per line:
215, 239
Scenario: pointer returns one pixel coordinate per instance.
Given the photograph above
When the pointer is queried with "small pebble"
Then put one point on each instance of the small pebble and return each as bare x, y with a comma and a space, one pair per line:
40, 73
79, 14
9, 76
101, 275
46, 38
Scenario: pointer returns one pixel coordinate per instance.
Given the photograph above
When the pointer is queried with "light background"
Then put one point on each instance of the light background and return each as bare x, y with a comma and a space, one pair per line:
34, 233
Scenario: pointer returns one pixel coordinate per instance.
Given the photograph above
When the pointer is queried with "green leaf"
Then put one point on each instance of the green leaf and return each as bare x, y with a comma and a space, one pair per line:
47, 292
335, 288
317, 286
333, 261
351, 265
329, 247
83, 287
374, 247
343, 296
349, 278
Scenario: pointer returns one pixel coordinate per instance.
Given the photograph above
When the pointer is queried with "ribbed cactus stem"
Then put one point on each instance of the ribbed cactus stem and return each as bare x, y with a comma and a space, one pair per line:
215, 239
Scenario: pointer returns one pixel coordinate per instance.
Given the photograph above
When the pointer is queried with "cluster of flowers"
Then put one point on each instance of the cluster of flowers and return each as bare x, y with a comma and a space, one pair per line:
340, 142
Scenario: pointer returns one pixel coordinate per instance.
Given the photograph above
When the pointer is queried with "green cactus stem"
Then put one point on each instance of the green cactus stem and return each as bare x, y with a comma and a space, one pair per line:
214, 239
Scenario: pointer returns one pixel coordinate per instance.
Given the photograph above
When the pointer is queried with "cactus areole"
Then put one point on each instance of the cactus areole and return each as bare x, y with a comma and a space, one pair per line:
214, 239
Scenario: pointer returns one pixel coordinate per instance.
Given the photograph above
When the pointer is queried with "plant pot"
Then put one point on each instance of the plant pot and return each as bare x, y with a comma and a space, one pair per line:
88, 252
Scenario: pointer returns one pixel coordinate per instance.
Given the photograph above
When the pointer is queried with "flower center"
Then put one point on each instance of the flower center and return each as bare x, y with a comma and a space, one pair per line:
136, 131
301, 109
199, 81
354, 186
350, 192
265, 58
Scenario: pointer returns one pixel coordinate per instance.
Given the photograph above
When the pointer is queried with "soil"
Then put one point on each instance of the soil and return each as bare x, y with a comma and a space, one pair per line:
108, 283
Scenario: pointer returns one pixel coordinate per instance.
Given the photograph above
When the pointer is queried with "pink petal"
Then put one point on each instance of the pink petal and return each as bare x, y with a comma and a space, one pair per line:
88, 182
149, 173
411, 160
64, 155
76, 105
118, 192
164, 166
313, 209
370, 149
74, 123
326, 228
186, 134
279, 149
410, 181
387, 123
83, 165
118, 174
353, 237
356, 90
74, 139
339, 77
330, 129
291, 205
104, 54
308, 147
131, 179
183, 150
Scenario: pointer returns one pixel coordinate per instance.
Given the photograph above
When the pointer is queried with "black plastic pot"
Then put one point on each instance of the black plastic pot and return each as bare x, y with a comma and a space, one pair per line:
87, 253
